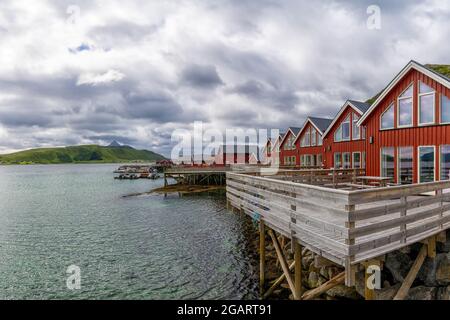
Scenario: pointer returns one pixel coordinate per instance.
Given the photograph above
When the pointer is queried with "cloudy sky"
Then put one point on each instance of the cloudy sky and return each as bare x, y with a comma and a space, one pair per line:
79, 72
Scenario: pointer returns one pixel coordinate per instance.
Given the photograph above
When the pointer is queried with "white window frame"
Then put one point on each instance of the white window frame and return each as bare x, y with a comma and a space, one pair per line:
440, 161
381, 160
392, 105
418, 162
412, 107
433, 93
440, 108
358, 128
349, 158
353, 160
349, 129
399, 161
334, 160
319, 139
313, 143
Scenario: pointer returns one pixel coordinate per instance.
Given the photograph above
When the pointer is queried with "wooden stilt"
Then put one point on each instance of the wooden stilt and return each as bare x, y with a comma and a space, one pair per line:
406, 285
283, 263
262, 257
277, 282
431, 247
298, 269
311, 294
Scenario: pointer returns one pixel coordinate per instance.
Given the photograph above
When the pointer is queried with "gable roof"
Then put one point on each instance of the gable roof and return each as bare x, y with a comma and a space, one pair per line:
358, 106
428, 70
294, 130
319, 123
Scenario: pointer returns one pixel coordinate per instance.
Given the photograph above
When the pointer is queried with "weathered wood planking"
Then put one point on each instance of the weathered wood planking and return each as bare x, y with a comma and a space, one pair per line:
344, 226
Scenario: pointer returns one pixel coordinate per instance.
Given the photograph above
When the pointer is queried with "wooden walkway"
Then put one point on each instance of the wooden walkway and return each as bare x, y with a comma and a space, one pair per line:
329, 215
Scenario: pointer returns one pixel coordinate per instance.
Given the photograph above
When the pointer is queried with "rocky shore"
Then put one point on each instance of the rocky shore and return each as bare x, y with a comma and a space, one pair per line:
432, 282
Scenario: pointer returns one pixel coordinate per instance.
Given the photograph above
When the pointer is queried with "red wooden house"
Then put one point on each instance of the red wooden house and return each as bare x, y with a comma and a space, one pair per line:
344, 140
408, 127
309, 142
288, 150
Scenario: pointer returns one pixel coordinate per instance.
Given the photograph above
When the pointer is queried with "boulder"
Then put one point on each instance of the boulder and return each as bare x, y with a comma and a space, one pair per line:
343, 292
313, 280
443, 293
422, 293
435, 272
398, 263
387, 293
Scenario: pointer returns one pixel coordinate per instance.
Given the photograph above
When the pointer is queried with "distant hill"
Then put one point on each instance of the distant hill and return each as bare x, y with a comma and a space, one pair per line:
80, 154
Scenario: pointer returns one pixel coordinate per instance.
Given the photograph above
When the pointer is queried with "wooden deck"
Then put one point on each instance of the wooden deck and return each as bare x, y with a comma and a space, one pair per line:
324, 211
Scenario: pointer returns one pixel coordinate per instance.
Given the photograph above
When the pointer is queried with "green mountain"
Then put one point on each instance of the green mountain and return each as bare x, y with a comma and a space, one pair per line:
77, 154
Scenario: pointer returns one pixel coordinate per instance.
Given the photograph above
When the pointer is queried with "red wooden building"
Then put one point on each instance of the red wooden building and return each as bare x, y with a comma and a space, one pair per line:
288, 150
309, 142
344, 140
408, 127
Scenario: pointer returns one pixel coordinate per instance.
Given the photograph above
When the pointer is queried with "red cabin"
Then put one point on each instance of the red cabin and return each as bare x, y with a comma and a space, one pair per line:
288, 150
344, 140
309, 142
408, 127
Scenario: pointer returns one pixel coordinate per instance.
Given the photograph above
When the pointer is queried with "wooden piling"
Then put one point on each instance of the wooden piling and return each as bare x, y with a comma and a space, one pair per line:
262, 257
298, 269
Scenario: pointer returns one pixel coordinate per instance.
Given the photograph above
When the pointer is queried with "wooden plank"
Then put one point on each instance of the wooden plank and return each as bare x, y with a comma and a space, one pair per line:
314, 293
406, 285
396, 222
298, 268
363, 214
283, 263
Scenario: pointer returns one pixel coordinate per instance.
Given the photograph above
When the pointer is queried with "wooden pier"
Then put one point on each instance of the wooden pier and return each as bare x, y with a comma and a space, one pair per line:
328, 213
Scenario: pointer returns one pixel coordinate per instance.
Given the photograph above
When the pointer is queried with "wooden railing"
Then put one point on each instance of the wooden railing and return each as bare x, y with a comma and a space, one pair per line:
344, 226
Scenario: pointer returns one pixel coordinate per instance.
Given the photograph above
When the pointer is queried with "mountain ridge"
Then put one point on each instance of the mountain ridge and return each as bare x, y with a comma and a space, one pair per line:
80, 154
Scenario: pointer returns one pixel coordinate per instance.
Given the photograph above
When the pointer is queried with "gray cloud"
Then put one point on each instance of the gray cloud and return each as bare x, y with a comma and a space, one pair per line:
228, 63
201, 76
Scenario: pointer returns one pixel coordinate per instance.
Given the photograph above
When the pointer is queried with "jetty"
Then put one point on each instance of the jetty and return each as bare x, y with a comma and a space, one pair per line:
341, 220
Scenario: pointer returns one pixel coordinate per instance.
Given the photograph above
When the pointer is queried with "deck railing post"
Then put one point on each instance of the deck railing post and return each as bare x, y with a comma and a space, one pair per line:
262, 257
440, 193
403, 212
349, 241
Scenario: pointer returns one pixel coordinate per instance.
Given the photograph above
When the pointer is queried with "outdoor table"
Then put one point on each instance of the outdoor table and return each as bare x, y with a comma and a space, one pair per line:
381, 180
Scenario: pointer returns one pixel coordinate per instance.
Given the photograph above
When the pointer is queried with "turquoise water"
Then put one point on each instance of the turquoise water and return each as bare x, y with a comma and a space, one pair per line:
144, 247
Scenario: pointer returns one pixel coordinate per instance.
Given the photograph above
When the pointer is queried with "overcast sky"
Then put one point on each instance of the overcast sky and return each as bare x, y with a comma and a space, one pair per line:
79, 72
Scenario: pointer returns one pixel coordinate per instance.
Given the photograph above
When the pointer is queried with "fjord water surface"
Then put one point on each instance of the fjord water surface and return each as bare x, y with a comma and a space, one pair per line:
143, 247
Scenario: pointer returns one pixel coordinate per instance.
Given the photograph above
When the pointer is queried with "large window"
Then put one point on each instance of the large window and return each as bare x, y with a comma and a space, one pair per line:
356, 132
387, 118
445, 109
337, 160
306, 139
302, 160
346, 160
445, 162
313, 137
289, 145
426, 104
405, 108
319, 138
319, 160
405, 165
338, 134
346, 129
342, 133
426, 164
387, 162
356, 160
